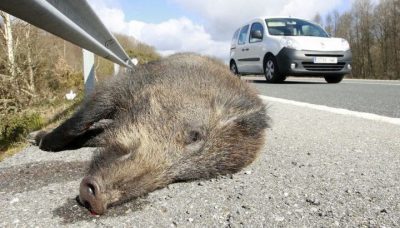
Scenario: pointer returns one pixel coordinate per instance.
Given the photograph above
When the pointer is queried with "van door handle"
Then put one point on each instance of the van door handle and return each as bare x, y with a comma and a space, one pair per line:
245, 49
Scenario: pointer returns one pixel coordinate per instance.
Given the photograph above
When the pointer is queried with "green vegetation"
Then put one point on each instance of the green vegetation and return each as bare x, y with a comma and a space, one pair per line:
143, 52
135, 49
143, 57
14, 128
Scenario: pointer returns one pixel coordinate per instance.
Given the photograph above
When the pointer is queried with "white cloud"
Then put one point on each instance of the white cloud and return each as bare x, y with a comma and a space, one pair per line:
221, 18
168, 37
178, 35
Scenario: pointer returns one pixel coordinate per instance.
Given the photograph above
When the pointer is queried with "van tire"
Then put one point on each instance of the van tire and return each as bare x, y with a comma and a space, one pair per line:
334, 78
233, 68
271, 70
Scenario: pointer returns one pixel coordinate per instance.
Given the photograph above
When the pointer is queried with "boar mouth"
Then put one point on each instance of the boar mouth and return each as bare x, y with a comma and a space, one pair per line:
85, 204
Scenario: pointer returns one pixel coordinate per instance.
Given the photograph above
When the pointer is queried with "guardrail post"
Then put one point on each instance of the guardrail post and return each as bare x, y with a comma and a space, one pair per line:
116, 69
88, 71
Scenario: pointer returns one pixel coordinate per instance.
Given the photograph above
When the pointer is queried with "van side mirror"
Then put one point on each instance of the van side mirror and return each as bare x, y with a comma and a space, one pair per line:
256, 34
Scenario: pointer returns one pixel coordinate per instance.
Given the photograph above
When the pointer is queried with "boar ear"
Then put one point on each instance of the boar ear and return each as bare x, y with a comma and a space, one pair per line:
250, 123
254, 123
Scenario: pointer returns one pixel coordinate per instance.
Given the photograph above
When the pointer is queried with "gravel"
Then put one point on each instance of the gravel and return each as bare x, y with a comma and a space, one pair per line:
318, 169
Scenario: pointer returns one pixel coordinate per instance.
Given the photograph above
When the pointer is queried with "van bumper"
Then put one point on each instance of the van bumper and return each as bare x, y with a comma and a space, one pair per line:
293, 62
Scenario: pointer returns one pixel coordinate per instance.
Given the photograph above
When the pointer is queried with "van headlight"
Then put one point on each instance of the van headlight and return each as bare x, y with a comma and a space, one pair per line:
290, 44
345, 45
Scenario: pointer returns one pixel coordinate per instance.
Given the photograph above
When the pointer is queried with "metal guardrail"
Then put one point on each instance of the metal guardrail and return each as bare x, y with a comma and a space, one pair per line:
72, 20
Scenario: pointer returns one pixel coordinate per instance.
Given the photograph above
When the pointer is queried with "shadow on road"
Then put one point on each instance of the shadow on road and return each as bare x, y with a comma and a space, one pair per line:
33, 176
284, 83
70, 212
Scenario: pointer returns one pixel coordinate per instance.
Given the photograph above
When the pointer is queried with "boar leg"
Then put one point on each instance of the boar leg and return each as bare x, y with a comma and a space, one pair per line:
79, 130
93, 137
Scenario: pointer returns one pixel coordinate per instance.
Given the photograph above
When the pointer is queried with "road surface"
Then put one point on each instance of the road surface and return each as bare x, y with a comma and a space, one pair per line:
371, 96
319, 168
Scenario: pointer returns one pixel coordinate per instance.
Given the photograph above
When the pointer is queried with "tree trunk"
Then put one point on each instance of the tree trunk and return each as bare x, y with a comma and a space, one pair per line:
9, 43
31, 79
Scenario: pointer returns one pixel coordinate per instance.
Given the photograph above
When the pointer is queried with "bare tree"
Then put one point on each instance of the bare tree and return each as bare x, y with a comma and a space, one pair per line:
6, 31
362, 14
30, 81
382, 34
336, 19
318, 19
329, 24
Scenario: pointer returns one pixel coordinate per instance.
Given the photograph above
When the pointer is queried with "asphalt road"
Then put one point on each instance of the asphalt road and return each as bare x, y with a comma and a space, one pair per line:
378, 97
318, 169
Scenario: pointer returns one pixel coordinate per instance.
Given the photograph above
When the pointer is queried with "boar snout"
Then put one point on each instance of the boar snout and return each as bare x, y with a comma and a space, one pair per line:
90, 196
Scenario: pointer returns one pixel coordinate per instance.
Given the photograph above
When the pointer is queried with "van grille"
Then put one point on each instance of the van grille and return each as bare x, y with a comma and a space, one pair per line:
323, 55
323, 67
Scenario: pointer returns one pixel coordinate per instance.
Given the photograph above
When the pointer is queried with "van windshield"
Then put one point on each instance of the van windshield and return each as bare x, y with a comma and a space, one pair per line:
293, 27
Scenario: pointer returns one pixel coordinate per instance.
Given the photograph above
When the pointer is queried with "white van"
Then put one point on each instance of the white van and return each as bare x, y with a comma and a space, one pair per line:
281, 47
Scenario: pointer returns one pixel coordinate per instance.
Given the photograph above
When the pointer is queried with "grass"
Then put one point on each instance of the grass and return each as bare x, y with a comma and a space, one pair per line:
15, 128
13, 149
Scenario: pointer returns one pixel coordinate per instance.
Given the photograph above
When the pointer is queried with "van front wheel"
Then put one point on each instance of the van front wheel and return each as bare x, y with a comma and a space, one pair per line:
271, 71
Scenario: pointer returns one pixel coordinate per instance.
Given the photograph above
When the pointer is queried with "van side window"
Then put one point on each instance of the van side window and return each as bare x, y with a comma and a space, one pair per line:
256, 32
307, 30
243, 34
235, 36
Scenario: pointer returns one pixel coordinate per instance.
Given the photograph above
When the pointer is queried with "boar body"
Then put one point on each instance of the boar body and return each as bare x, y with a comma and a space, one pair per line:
181, 118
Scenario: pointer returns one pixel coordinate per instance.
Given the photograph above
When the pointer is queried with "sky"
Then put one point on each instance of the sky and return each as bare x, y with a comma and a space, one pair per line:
201, 26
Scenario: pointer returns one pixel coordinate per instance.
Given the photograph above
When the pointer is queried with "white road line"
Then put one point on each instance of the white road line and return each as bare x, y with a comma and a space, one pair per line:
364, 115
321, 80
352, 81
372, 80
369, 83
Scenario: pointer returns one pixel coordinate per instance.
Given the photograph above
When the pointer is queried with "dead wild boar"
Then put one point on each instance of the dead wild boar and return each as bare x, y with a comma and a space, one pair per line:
181, 118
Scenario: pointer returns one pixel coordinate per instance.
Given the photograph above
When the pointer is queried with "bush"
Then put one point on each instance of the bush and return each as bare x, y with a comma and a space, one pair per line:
134, 48
144, 54
62, 78
14, 129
